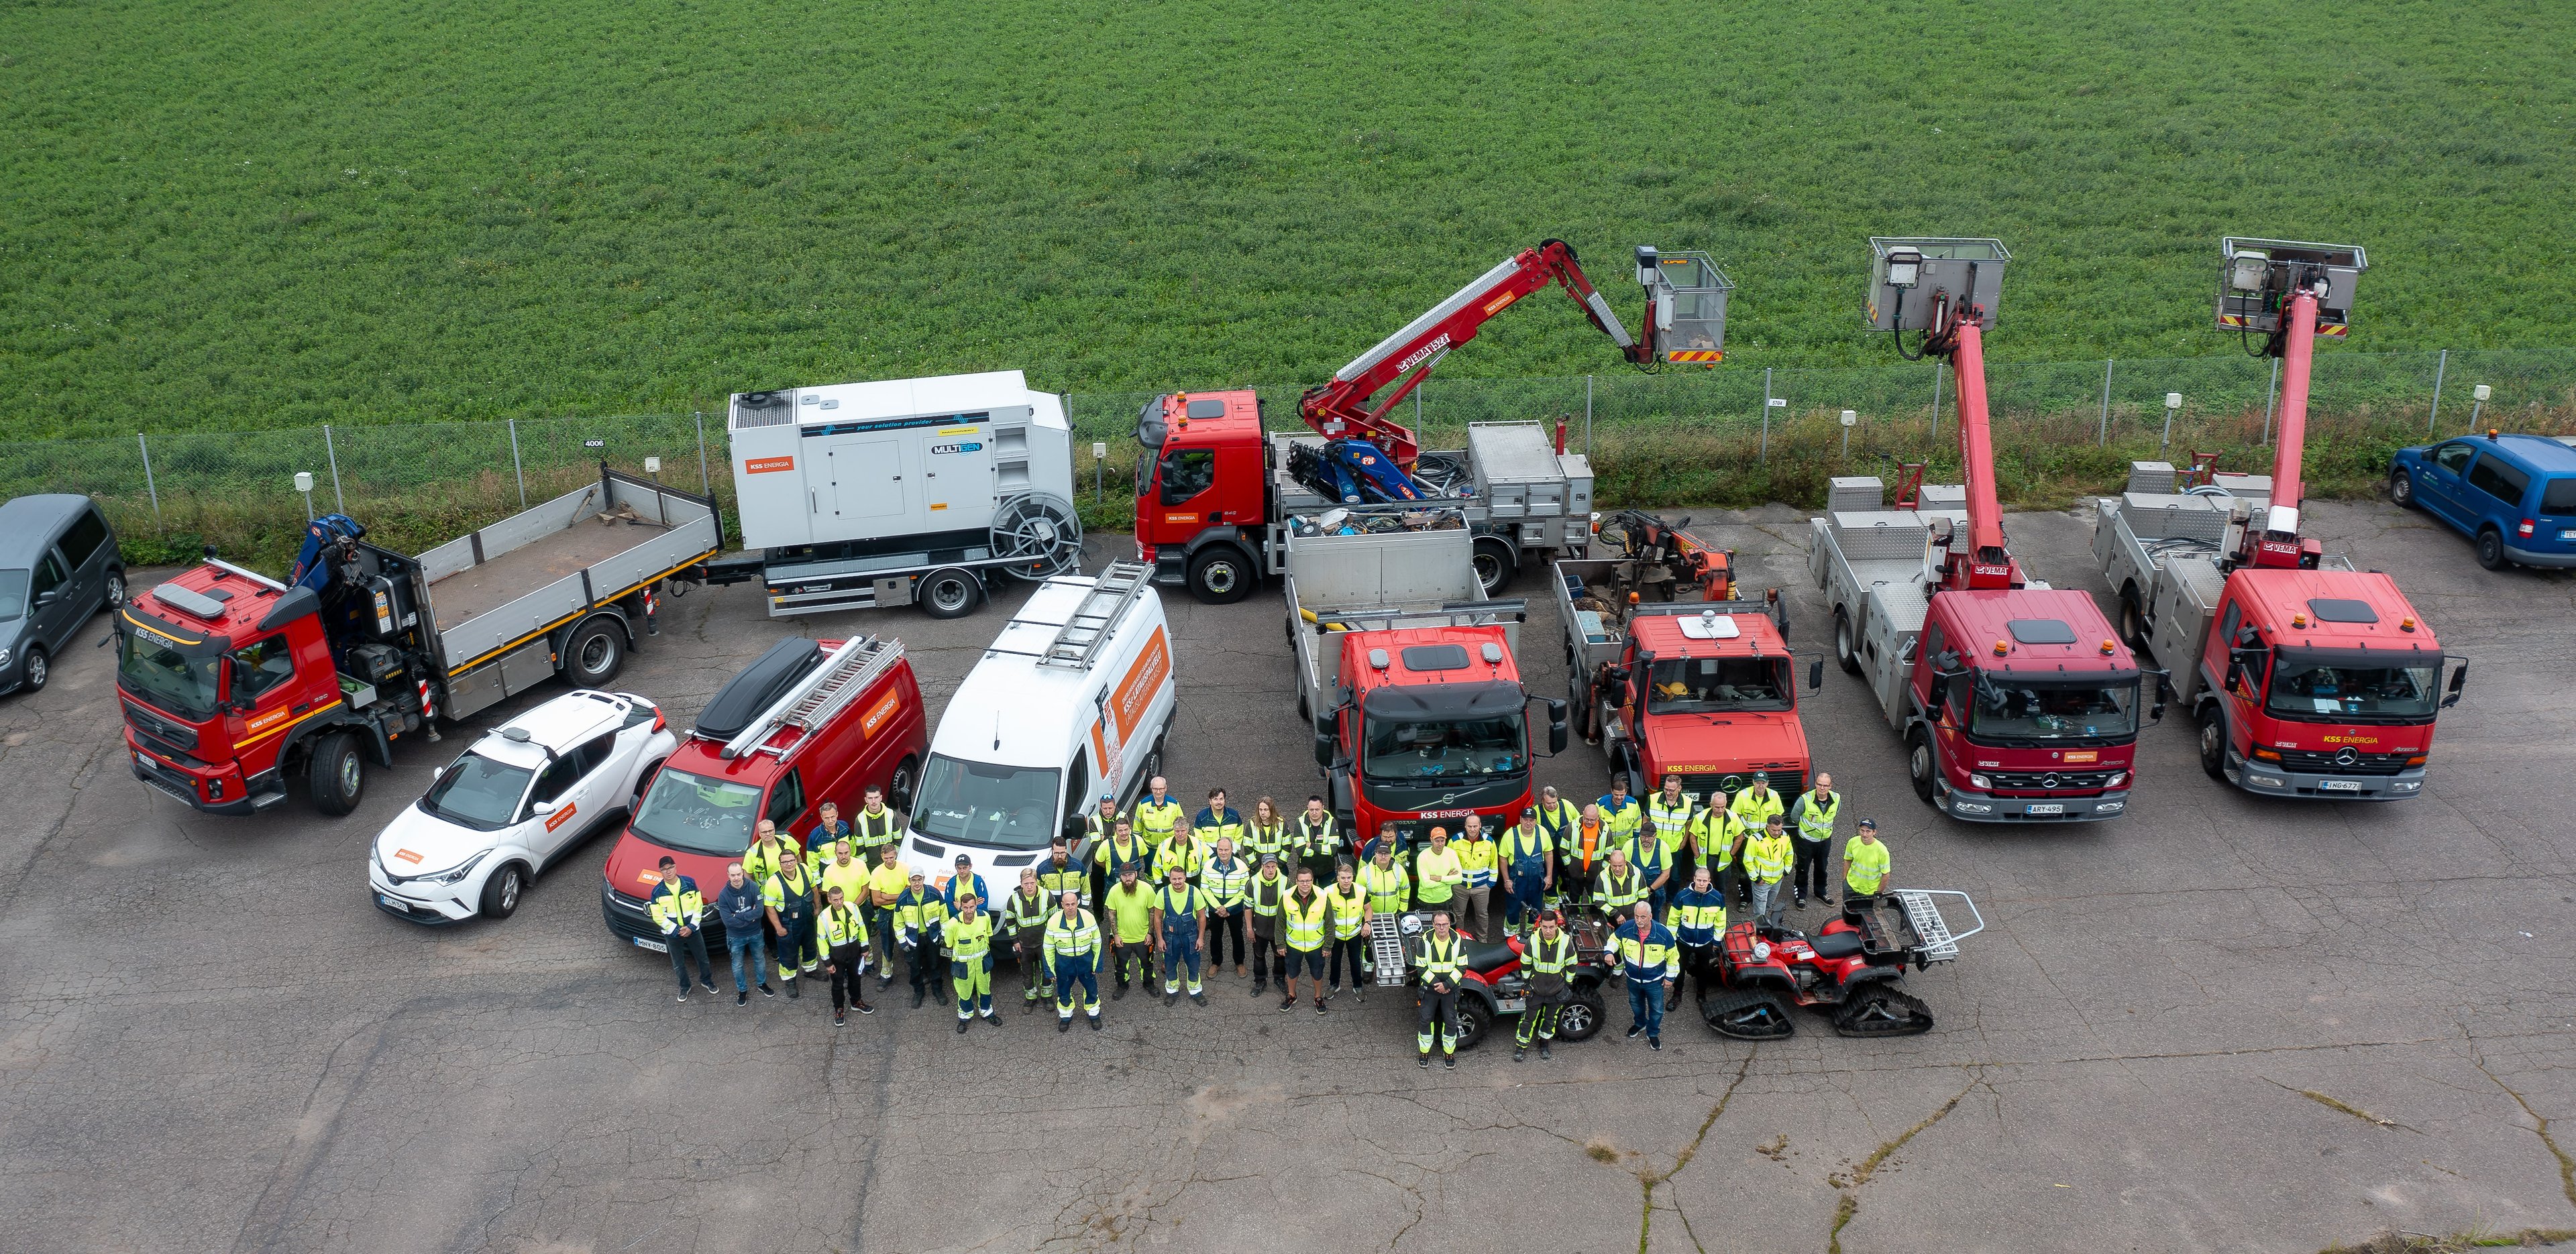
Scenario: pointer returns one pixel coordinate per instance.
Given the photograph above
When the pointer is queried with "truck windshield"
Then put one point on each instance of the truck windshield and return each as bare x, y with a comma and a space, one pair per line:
1445, 748
698, 815
151, 667
478, 792
992, 807
2009, 707
2312, 688
1712, 684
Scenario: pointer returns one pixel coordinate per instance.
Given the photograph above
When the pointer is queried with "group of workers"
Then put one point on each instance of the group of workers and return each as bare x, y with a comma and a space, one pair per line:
1161, 891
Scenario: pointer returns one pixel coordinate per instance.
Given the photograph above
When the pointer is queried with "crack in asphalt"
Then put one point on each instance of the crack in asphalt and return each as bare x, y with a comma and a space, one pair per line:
1648, 1181
1850, 1184
2566, 1165
2356, 1112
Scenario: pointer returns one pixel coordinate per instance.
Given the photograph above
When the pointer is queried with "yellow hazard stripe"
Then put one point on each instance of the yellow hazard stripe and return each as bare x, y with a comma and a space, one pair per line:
1694, 354
282, 728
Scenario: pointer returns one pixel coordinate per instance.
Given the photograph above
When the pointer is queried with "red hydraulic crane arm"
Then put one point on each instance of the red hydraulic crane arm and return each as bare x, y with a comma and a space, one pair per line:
1343, 407
1987, 563
2299, 340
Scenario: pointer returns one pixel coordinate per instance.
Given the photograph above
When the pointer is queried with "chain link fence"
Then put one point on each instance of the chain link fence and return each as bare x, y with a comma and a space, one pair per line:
1727, 435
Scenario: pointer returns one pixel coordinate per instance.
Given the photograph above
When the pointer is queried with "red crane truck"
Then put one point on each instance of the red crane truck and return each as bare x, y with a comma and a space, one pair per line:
2015, 701
2306, 678
1216, 497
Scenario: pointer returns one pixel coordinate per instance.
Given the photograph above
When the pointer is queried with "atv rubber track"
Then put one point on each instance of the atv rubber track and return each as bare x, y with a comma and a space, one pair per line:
1879, 1010
1747, 1014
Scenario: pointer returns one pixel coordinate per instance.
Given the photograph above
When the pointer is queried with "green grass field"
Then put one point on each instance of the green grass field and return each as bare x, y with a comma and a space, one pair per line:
358, 211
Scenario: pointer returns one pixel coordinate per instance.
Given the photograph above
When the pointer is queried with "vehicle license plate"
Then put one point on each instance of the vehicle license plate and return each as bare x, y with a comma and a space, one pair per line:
2341, 785
388, 899
656, 946
2049, 808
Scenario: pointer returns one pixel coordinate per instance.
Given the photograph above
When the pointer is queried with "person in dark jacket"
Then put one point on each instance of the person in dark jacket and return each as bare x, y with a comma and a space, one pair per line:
744, 914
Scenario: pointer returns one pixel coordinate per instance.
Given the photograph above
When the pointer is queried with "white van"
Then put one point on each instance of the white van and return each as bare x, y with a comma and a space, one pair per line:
1073, 699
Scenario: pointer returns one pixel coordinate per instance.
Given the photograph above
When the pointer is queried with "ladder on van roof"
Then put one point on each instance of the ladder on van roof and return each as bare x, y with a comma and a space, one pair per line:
810, 704
1083, 634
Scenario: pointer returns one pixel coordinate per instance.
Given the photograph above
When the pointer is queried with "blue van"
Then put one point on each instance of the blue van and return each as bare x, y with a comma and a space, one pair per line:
2515, 495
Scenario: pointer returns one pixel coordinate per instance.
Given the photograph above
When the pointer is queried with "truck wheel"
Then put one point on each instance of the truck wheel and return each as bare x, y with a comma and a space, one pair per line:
1495, 564
1220, 575
899, 788
2401, 489
1846, 648
2133, 619
594, 654
336, 774
1921, 765
501, 892
1305, 714
1581, 1018
2491, 550
1579, 701
2213, 742
950, 593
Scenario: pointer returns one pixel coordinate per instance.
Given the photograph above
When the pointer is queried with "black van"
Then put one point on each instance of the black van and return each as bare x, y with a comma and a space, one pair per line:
58, 563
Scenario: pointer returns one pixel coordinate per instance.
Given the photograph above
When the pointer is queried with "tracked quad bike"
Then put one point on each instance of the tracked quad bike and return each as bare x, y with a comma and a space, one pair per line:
1850, 968
1494, 988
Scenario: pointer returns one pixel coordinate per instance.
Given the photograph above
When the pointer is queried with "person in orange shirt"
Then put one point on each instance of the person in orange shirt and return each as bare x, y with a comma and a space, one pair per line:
1587, 850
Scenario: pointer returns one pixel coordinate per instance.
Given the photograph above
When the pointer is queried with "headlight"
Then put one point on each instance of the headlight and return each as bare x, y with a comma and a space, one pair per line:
1979, 781
4, 657
461, 870
2117, 778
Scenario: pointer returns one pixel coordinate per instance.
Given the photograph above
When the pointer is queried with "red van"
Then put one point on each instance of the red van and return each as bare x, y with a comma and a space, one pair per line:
810, 721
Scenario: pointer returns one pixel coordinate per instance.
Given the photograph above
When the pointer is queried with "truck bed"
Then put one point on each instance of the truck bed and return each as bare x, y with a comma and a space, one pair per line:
481, 589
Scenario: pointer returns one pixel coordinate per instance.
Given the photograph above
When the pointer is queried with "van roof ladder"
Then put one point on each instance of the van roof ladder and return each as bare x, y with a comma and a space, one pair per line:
845, 673
1080, 639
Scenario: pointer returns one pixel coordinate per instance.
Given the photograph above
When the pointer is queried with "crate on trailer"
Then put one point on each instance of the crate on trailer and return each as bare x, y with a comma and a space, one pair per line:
1879, 535
2155, 477
1845, 493
2165, 516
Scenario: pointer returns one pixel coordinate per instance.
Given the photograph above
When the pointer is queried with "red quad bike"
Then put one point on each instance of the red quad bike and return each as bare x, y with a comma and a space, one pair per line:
1493, 988
1850, 967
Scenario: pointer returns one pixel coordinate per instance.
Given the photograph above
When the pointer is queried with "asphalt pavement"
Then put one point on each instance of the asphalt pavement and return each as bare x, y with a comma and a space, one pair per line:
2223, 1022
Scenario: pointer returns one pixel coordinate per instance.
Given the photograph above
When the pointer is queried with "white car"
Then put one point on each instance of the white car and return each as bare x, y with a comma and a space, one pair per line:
520, 799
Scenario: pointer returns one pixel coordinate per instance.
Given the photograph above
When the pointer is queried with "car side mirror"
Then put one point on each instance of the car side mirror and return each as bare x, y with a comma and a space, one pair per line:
2459, 680
437, 773
48, 597
1816, 675
542, 807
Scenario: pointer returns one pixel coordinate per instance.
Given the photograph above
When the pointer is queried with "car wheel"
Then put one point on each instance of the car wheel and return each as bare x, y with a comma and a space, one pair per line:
1846, 647
1920, 764
2401, 489
1475, 1018
951, 593
899, 788
39, 668
1495, 565
2491, 550
594, 654
1581, 1018
1219, 575
501, 892
336, 774
2213, 742
115, 589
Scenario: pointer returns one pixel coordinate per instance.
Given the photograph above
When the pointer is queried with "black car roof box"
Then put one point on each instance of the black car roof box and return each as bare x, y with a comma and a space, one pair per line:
757, 687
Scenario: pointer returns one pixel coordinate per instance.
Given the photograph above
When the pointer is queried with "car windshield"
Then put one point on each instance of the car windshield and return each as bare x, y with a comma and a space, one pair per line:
151, 667
2310, 688
698, 815
1711, 684
478, 792
1445, 748
992, 807
13, 594
2008, 707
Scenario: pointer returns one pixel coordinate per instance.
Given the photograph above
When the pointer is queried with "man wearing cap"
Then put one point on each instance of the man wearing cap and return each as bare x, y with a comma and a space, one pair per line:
1477, 855
678, 909
1757, 803
1811, 823
1130, 907
1547, 958
1767, 859
1437, 872
1262, 897
1865, 861
1525, 866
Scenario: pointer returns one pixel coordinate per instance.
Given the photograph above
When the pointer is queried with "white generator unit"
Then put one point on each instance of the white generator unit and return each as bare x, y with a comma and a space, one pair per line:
876, 494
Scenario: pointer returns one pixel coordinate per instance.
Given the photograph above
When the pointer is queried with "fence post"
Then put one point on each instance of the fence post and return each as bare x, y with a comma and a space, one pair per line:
1765, 454
339, 503
515, 467
148, 488
2270, 399
2439, 367
2102, 439
707, 485
1587, 417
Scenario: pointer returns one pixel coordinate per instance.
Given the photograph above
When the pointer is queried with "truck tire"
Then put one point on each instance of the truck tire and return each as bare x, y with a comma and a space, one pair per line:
950, 593
899, 788
1220, 575
1922, 765
594, 655
2213, 742
2401, 489
1495, 564
2491, 549
2133, 617
501, 892
1846, 645
336, 774
1305, 714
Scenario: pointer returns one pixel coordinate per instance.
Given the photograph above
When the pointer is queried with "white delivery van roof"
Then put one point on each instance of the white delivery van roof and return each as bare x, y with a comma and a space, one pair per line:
1035, 710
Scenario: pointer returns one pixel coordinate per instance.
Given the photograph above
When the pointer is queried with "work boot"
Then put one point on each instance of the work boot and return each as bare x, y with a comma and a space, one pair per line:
1542, 1051
794, 993
1064, 1024
1449, 1062
1120, 992
1200, 998
1520, 1053
1171, 997
1801, 900
1259, 987
1095, 1023
918, 996
1423, 1062
961, 1027
991, 1018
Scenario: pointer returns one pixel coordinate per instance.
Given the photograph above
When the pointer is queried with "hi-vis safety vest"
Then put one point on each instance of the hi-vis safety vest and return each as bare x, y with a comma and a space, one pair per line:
1816, 821
1766, 859
1348, 909
1865, 866
1618, 893
1714, 831
1477, 857
1269, 841
1156, 822
1225, 883
843, 926
970, 939
1315, 840
1077, 939
1668, 821
1265, 894
1439, 960
868, 831
677, 904
1304, 922
1547, 959
1386, 886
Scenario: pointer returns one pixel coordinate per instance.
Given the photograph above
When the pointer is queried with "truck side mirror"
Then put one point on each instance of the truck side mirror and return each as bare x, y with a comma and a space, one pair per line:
2459, 680
1555, 727
1325, 744
1618, 674
1816, 675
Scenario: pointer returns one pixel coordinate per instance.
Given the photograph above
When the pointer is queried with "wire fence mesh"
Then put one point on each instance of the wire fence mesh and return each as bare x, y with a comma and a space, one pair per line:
1685, 434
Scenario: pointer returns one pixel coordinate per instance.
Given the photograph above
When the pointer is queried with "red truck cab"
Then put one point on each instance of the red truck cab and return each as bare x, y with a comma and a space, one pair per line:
2028, 707
2320, 684
1712, 697
1201, 492
809, 721
1432, 727
229, 690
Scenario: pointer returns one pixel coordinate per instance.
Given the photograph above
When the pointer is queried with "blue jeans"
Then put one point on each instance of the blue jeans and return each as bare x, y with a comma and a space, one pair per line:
1646, 1007
736, 941
681, 947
